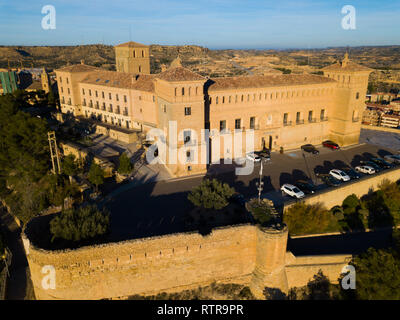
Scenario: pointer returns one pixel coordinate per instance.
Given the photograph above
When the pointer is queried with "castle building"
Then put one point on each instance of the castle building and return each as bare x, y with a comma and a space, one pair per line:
285, 110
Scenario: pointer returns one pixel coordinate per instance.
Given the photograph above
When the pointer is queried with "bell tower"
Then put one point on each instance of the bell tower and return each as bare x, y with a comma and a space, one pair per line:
352, 83
132, 57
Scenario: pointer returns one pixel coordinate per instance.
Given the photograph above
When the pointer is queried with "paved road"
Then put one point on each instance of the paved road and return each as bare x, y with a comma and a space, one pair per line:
160, 207
19, 271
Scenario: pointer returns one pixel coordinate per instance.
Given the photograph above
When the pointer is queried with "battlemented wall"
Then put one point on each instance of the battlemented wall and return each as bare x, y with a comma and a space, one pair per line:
146, 266
242, 254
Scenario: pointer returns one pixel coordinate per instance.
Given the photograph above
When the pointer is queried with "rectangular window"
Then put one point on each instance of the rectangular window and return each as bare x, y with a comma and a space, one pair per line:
67, 81
297, 116
83, 91
165, 108
186, 135
96, 94
310, 116
109, 96
188, 111
116, 97
125, 111
69, 91
252, 122
222, 125
90, 92
285, 118
125, 100
237, 124
323, 114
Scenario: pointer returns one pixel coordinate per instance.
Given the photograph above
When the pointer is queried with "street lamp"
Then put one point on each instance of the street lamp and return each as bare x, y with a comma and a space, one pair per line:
260, 184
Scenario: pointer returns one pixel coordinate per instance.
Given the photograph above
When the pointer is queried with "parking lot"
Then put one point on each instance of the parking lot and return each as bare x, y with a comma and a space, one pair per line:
159, 208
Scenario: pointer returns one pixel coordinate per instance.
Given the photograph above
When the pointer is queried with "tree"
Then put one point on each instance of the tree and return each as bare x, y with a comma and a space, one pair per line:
377, 275
211, 194
96, 175
69, 166
302, 218
125, 165
80, 224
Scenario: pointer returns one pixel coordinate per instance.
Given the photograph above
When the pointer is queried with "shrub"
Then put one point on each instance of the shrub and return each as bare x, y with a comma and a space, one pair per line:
80, 224
378, 276
308, 219
211, 194
125, 165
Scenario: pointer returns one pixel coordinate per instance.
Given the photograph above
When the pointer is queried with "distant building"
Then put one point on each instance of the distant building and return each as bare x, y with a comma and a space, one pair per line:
390, 120
8, 81
371, 116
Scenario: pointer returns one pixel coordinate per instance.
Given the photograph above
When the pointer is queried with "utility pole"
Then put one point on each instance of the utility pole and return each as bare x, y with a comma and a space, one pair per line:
260, 184
54, 152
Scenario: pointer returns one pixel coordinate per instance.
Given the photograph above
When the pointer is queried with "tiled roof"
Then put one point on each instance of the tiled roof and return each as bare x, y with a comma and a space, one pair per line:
350, 66
78, 68
266, 81
132, 44
179, 74
121, 80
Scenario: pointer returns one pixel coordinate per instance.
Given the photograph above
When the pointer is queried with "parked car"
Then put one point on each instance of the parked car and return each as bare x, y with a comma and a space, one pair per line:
382, 163
329, 180
392, 158
365, 169
339, 174
238, 199
353, 174
371, 164
309, 148
292, 191
305, 186
253, 157
264, 154
331, 145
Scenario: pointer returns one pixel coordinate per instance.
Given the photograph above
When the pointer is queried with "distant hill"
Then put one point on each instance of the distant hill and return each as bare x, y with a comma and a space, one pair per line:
213, 62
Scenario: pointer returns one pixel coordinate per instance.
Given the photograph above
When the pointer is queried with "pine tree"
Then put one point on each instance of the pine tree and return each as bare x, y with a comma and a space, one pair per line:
211, 194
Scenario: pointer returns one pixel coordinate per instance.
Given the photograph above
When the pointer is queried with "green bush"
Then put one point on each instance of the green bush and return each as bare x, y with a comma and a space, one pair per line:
302, 218
211, 194
125, 165
80, 224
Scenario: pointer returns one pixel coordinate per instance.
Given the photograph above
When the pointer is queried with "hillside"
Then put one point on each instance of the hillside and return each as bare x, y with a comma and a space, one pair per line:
386, 59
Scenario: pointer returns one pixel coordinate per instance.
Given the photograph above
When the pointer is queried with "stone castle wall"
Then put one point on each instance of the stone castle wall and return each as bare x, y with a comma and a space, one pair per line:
241, 254
146, 266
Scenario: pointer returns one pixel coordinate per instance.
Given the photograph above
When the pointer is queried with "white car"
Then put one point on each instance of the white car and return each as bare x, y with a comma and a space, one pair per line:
365, 169
339, 174
292, 191
253, 157
393, 158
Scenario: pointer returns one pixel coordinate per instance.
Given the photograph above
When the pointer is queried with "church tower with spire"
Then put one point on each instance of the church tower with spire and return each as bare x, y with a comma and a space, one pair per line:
352, 83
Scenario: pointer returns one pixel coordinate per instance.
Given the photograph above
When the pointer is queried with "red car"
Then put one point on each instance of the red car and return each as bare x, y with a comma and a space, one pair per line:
330, 144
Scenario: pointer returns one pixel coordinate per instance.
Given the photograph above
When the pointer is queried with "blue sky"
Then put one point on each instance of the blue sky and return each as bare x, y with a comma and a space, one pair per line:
211, 23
